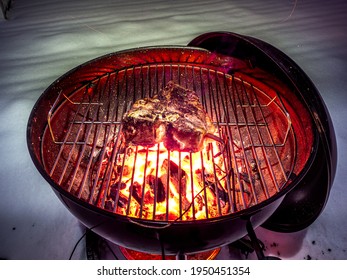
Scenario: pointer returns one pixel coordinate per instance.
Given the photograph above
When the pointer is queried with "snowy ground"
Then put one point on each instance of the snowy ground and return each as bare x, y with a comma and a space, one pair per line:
45, 38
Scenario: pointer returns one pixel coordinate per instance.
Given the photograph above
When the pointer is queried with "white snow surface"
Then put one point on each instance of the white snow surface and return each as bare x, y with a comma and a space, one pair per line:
43, 39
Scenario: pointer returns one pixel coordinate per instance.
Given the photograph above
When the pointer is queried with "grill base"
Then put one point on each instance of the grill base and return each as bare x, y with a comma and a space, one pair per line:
99, 248
136, 255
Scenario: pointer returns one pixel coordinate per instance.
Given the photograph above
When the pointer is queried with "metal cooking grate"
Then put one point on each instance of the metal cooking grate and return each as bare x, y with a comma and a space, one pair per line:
89, 159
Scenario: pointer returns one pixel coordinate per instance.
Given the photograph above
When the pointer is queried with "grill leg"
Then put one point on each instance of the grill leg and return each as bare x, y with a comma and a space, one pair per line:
181, 256
256, 243
92, 245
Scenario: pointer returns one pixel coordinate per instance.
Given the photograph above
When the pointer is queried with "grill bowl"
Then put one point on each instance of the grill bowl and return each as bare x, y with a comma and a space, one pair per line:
46, 131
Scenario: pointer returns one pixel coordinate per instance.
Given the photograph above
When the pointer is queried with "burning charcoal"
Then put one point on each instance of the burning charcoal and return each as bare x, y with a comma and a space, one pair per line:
221, 193
160, 189
148, 199
209, 182
125, 171
177, 176
137, 192
199, 203
109, 205
160, 217
114, 189
253, 165
198, 172
122, 201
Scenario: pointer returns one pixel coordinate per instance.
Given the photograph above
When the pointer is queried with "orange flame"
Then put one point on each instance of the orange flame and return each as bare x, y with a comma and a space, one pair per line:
157, 184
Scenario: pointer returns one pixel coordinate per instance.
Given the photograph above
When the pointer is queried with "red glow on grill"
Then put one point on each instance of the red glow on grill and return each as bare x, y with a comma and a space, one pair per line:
154, 183
136, 255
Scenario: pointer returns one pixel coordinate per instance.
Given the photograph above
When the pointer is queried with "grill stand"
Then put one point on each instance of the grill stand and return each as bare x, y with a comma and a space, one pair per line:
249, 244
257, 245
181, 256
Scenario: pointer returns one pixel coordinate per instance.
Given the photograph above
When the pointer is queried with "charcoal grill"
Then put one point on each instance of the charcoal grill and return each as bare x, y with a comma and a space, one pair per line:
271, 133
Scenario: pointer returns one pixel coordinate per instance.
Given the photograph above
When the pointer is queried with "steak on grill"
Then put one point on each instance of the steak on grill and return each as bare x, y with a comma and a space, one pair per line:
174, 116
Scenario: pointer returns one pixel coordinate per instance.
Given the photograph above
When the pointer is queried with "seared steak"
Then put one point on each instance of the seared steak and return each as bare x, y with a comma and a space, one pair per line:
175, 116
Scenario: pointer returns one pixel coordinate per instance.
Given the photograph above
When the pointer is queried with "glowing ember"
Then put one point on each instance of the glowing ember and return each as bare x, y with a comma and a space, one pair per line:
157, 184
137, 255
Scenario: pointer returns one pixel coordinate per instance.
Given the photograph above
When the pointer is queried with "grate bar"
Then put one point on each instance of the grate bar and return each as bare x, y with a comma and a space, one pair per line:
263, 181
250, 166
69, 132
274, 145
239, 153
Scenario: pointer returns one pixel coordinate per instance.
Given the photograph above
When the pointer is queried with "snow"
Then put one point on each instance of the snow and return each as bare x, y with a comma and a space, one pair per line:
43, 39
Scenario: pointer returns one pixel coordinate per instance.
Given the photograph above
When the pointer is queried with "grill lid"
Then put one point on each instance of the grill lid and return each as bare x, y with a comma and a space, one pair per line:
303, 204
